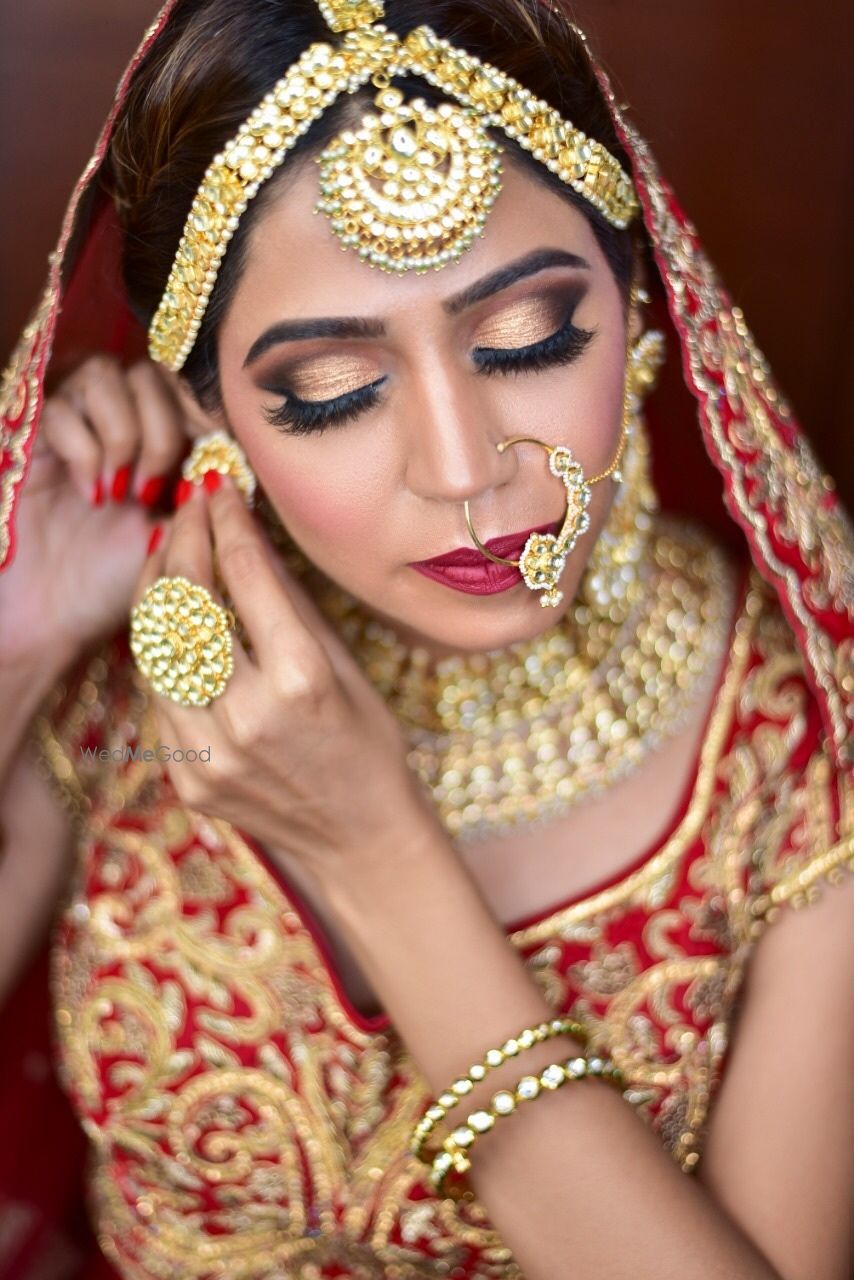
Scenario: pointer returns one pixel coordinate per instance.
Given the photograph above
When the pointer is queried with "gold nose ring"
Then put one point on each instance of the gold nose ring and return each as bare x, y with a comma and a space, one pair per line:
544, 556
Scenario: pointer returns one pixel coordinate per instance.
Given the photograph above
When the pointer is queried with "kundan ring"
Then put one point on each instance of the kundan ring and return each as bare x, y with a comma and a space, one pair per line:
544, 555
181, 641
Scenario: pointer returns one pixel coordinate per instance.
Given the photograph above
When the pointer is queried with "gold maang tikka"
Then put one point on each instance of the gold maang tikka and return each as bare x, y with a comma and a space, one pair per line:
544, 555
408, 190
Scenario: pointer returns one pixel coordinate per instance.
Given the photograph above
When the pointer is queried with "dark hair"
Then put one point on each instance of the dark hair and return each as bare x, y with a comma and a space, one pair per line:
215, 61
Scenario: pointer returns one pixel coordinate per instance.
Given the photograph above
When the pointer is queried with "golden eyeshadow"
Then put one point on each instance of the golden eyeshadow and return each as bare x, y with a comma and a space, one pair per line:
523, 323
328, 376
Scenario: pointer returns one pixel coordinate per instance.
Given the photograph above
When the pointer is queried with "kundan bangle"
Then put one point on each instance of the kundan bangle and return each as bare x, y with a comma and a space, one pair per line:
454, 1154
492, 1059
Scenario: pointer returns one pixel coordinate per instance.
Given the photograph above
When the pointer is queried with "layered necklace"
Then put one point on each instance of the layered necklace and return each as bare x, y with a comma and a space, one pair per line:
520, 734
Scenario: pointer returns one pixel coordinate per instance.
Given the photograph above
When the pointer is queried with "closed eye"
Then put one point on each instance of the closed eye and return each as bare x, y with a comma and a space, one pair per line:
296, 415
564, 345
305, 417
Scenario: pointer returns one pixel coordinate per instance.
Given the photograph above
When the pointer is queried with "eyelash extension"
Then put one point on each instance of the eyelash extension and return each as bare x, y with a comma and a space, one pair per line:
311, 417
561, 347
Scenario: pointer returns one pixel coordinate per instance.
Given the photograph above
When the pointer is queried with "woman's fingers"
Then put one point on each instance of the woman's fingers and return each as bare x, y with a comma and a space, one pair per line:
163, 435
99, 390
185, 548
292, 639
265, 606
134, 424
71, 439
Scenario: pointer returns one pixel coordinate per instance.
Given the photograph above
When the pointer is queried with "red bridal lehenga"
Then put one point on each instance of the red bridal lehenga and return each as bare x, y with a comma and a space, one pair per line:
235, 1115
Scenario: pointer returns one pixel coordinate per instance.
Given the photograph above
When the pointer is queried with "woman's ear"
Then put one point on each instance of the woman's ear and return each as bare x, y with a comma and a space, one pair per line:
199, 421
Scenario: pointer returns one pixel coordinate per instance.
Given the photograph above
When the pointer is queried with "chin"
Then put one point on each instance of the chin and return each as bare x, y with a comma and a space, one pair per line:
468, 623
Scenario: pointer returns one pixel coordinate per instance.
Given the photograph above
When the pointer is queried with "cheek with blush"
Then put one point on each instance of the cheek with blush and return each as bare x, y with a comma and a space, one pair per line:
328, 504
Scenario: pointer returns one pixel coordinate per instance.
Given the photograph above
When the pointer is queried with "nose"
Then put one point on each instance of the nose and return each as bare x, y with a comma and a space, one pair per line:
451, 444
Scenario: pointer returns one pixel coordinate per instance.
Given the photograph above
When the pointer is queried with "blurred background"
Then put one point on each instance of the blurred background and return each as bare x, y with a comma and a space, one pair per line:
749, 105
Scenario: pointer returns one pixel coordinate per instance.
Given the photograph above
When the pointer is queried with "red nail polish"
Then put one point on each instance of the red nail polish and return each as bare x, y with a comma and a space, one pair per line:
155, 539
183, 491
151, 490
212, 480
121, 480
97, 495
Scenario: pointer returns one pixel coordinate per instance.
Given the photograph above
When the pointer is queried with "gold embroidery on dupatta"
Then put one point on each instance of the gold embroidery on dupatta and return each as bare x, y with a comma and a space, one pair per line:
19, 389
727, 367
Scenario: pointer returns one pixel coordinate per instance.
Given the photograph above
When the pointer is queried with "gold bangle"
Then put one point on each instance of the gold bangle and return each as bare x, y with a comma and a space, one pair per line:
454, 1154
526, 1039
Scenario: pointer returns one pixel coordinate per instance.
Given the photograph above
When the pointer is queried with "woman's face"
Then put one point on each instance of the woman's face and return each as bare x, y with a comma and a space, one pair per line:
370, 405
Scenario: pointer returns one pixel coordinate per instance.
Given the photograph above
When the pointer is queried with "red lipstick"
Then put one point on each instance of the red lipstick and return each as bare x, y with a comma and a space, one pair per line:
467, 569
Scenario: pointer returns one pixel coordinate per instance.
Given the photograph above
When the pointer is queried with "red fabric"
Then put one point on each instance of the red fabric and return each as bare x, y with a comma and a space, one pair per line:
681, 937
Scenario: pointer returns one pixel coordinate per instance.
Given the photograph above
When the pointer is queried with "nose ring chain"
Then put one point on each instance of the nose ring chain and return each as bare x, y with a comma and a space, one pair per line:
544, 555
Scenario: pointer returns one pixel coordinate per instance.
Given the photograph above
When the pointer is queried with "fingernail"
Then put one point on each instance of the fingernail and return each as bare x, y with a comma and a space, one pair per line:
212, 481
150, 491
155, 539
183, 491
119, 487
96, 496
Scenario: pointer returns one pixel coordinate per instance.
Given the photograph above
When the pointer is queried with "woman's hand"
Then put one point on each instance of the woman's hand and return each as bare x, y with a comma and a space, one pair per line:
107, 439
304, 753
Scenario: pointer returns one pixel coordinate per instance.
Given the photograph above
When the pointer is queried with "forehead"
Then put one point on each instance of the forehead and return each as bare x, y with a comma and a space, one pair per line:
295, 266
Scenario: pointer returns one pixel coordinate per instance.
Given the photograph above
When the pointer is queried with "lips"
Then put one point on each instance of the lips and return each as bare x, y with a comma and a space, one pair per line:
509, 545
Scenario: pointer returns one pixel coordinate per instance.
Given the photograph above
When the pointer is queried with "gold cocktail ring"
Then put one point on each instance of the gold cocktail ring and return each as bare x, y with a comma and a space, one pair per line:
544, 555
181, 641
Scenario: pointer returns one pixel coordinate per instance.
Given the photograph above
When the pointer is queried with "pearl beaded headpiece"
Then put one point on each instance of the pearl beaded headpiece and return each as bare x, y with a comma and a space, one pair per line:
408, 190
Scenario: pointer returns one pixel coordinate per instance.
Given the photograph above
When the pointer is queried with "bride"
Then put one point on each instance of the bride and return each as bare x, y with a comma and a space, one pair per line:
432, 750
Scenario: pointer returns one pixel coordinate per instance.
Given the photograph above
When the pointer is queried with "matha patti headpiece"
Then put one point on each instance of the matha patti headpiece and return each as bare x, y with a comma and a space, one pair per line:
410, 189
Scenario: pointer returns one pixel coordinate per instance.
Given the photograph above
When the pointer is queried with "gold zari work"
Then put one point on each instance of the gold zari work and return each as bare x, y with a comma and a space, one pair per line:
779, 492
246, 1123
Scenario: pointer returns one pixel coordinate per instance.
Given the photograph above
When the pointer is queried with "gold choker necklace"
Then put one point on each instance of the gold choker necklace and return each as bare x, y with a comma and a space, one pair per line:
521, 734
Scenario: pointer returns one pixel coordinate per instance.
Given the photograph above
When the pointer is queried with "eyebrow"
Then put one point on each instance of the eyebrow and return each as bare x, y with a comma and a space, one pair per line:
530, 265
364, 327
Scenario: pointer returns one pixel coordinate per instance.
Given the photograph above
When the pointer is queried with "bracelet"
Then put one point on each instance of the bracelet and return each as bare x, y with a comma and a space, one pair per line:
492, 1059
454, 1154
